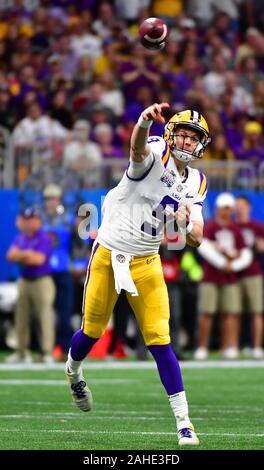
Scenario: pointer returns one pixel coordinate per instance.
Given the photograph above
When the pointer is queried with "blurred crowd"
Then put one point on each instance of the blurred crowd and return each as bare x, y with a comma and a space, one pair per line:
74, 79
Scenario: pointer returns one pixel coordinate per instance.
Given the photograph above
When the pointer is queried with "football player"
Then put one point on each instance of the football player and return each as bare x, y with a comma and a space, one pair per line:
158, 183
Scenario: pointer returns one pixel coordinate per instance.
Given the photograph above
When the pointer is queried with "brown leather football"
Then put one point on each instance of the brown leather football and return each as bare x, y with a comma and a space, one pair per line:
153, 33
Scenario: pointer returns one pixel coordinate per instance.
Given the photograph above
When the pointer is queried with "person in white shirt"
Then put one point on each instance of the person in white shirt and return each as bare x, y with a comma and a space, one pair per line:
38, 136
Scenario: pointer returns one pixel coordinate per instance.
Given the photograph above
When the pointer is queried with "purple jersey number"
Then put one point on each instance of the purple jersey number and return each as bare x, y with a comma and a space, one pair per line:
159, 214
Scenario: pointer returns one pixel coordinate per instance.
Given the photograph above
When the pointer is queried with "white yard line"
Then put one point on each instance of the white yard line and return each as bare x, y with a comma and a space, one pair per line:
107, 365
139, 433
63, 382
64, 417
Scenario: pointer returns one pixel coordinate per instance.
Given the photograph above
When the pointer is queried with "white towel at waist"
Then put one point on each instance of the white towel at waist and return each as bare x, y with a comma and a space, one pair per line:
122, 274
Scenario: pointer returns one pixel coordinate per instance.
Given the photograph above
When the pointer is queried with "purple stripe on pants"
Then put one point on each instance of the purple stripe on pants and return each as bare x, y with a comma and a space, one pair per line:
88, 274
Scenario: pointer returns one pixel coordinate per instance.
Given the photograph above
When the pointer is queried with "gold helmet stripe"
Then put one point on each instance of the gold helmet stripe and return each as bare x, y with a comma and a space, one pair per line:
195, 116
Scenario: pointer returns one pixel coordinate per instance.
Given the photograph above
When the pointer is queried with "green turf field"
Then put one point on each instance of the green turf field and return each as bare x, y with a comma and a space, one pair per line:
131, 410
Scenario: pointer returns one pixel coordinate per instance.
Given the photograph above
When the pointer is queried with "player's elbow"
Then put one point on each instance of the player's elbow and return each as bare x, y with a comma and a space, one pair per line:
136, 155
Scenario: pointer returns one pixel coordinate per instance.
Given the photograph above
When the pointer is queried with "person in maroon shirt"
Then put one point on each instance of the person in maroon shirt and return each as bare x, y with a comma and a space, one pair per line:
225, 254
251, 282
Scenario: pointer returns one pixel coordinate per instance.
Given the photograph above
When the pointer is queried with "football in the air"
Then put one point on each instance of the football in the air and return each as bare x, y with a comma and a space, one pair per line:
153, 33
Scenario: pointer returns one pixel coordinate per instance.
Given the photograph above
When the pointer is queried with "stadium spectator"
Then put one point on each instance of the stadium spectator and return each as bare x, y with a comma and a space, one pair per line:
181, 82
221, 155
202, 12
190, 41
259, 101
138, 71
225, 20
80, 251
253, 148
234, 126
241, 100
249, 74
225, 254
214, 79
38, 138
168, 9
251, 279
104, 136
109, 58
32, 250
214, 46
125, 252
67, 58
83, 41
106, 17
129, 11
7, 111
168, 58
112, 97
253, 13
57, 223
83, 77
83, 157
59, 109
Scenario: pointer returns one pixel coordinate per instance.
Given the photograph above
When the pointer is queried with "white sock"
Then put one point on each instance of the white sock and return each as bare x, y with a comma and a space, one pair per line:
75, 366
179, 407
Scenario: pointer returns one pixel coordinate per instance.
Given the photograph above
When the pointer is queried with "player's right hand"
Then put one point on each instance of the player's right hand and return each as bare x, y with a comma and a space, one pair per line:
182, 215
154, 112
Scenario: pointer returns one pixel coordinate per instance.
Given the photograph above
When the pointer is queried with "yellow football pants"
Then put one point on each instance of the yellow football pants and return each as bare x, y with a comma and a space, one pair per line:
151, 306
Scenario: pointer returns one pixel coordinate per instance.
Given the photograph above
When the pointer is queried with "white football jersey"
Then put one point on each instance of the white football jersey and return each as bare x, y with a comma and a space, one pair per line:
134, 212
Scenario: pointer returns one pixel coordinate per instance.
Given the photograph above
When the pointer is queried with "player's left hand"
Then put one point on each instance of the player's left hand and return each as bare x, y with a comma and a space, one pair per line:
182, 215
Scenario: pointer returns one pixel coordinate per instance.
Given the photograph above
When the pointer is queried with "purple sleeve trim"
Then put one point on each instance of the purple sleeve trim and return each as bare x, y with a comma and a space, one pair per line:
198, 203
166, 163
165, 150
201, 178
144, 175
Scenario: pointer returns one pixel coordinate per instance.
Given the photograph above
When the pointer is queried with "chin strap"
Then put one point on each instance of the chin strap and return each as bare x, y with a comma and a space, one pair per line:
180, 153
